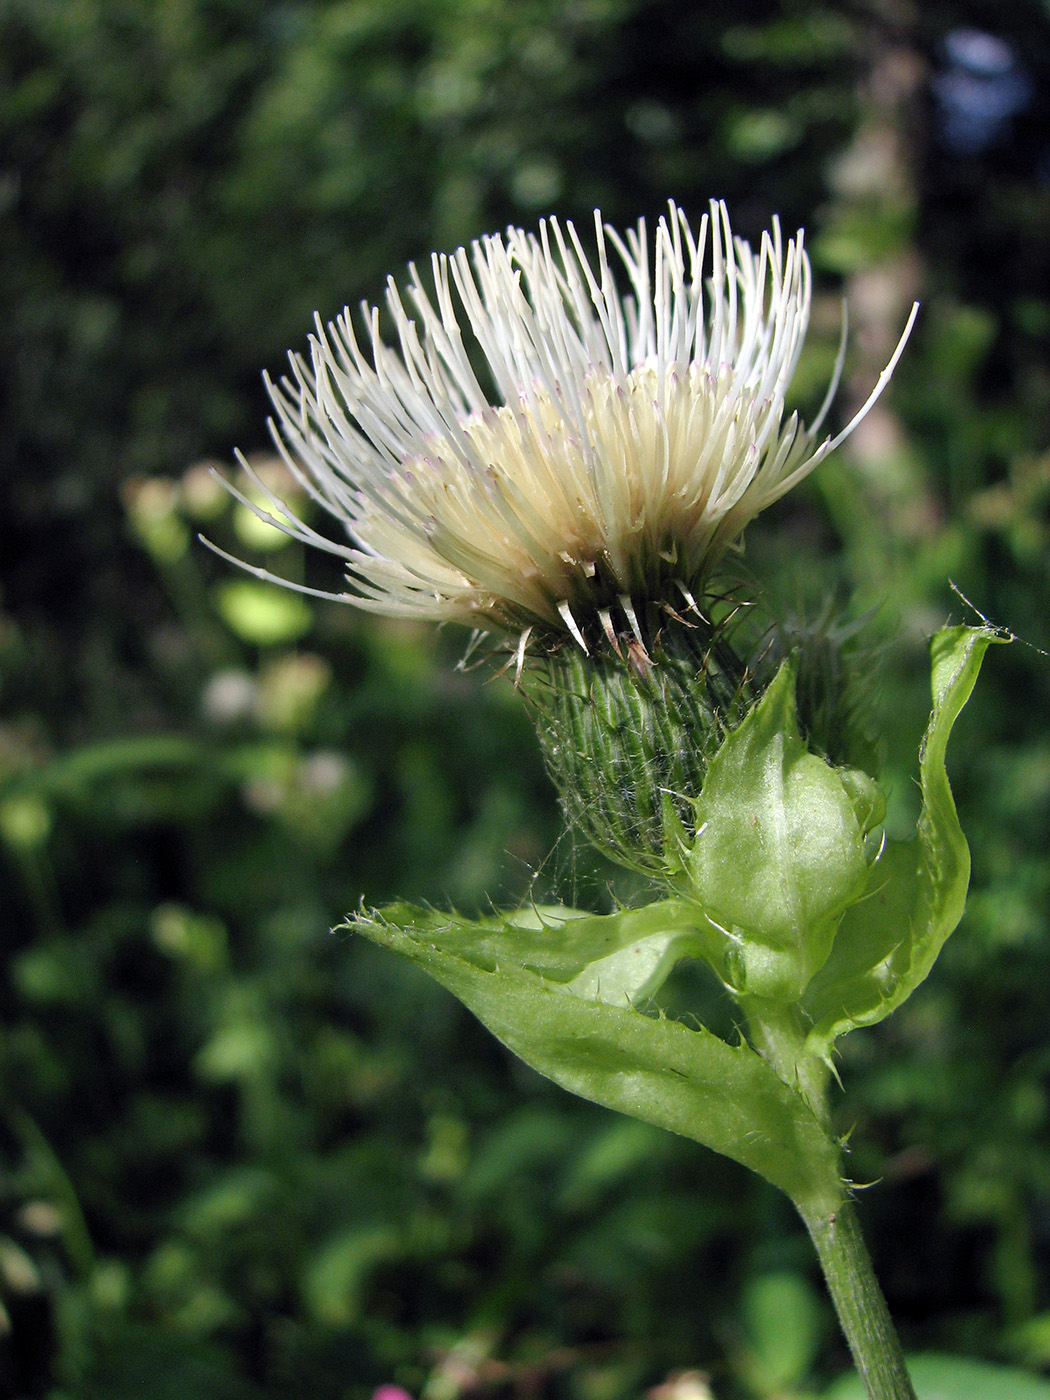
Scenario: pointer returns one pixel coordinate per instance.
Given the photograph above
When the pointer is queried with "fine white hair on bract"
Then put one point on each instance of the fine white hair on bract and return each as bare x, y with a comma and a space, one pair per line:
630, 437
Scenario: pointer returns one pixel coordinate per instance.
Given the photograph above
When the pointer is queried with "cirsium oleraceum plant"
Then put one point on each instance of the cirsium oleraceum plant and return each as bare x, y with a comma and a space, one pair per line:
561, 449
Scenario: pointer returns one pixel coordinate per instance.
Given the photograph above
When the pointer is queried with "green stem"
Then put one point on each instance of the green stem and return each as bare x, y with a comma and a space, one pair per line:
778, 1033
859, 1303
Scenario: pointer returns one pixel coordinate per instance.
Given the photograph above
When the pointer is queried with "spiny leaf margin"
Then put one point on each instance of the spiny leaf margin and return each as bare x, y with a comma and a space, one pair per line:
682, 1078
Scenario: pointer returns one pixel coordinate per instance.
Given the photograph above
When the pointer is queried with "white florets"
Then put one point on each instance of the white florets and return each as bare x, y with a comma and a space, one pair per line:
633, 435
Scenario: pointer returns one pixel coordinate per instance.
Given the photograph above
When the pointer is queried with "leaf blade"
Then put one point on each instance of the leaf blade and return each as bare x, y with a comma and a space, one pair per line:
686, 1080
888, 942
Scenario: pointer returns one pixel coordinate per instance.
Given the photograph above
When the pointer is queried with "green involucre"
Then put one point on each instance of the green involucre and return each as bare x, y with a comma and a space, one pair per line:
779, 887
627, 732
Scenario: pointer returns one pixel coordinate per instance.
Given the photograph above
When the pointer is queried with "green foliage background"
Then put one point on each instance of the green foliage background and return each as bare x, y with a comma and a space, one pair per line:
240, 1156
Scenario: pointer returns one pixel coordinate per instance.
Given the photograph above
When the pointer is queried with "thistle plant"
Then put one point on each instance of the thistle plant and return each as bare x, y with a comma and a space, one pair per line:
562, 451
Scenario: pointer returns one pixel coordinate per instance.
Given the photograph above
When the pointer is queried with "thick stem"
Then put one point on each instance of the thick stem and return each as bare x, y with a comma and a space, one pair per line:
778, 1034
859, 1302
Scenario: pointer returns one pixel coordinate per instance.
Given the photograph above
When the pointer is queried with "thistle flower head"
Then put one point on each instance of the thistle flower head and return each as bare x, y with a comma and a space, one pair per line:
559, 438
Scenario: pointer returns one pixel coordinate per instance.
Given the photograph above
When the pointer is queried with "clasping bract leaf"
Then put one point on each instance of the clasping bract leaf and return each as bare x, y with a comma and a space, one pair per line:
622, 959
780, 849
888, 941
543, 983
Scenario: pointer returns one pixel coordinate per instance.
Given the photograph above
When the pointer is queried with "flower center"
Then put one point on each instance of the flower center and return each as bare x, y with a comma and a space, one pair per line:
589, 492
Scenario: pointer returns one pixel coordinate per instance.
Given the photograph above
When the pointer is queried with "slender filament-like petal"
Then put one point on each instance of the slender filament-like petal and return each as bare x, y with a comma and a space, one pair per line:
627, 437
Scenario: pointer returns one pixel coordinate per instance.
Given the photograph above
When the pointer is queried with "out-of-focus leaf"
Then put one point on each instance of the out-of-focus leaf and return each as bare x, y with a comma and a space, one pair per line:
956, 1378
782, 1318
128, 1361
335, 1277
263, 615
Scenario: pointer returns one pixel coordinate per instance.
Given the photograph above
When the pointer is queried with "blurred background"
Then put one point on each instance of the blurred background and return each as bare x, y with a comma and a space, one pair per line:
244, 1157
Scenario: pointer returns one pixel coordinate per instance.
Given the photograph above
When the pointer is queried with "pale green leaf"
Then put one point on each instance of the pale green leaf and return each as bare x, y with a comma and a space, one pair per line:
622, 958
889, 940
674, 1076
780, 847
